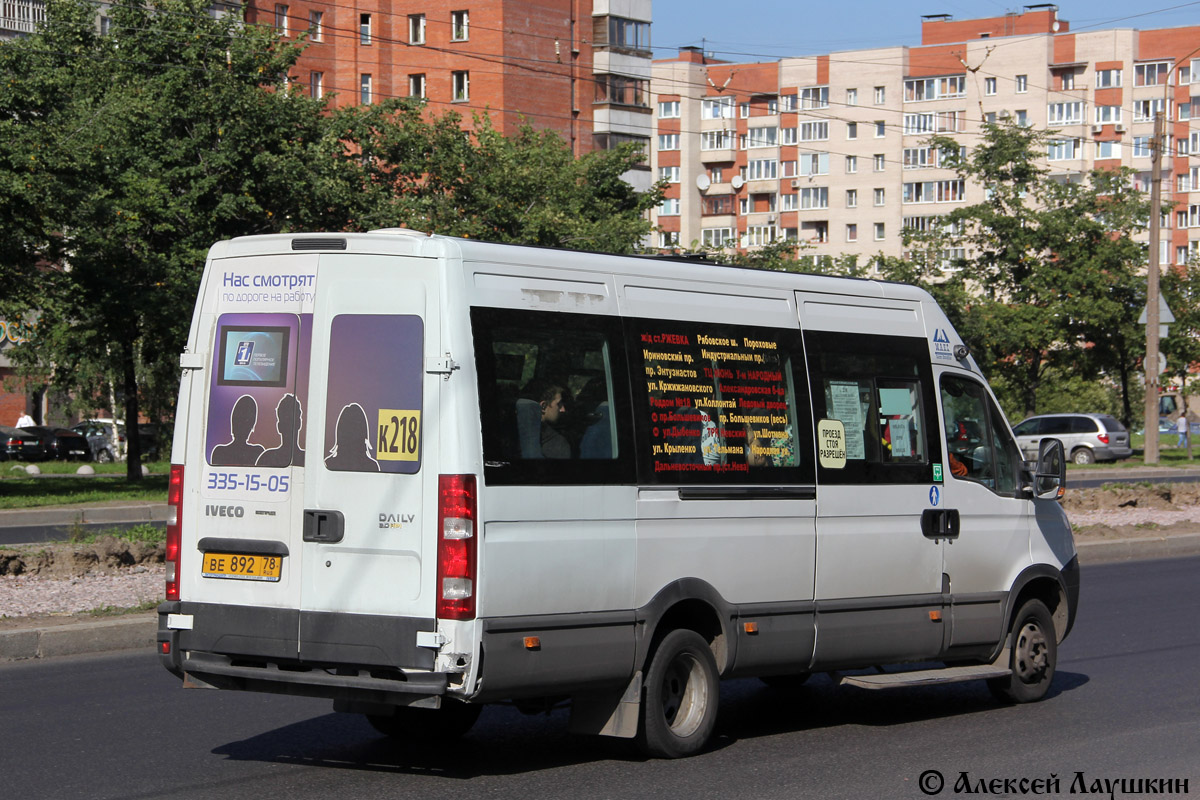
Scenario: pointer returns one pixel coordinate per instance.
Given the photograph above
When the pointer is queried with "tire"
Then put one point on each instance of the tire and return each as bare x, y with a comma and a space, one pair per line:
415, 725
679, 705
1034, 654
1083, 456
104, 457
786, 682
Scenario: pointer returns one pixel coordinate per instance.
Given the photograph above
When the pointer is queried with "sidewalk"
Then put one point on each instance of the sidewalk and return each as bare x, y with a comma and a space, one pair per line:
137, 631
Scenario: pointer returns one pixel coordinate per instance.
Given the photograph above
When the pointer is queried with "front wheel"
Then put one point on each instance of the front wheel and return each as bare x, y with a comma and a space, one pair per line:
104, 456
679, 709
1034, 654
1083, 456
409, 724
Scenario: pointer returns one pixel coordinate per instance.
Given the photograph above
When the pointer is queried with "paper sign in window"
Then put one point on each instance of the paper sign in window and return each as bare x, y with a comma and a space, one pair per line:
831, 444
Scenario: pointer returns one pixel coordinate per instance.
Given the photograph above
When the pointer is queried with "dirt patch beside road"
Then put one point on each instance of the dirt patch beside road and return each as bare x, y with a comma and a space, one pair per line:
61, 560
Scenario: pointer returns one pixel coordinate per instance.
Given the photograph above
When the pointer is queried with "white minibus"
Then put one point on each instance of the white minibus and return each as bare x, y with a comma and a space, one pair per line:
415, 475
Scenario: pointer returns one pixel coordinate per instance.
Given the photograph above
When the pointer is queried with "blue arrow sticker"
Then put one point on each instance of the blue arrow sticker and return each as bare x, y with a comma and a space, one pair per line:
934, 495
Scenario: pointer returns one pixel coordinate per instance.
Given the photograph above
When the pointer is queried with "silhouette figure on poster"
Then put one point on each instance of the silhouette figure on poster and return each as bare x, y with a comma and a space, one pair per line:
239, 452
289, 419
352, 442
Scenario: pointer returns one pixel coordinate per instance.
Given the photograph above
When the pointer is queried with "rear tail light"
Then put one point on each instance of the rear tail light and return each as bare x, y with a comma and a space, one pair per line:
456, 547
1103, 437
174, 529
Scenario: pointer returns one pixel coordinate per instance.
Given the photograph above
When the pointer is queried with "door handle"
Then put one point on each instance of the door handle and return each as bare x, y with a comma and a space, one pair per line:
323, 526
940, 523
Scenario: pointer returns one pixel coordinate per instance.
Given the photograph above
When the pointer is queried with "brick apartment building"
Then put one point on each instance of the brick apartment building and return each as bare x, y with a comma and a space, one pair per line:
829, 149
579, 67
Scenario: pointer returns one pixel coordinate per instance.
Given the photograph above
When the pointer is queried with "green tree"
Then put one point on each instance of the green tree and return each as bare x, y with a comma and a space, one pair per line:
1050, 280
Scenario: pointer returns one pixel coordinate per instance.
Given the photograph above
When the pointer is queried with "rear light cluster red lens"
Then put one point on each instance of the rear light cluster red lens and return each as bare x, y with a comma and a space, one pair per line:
456, 547
1103, 438
174, 529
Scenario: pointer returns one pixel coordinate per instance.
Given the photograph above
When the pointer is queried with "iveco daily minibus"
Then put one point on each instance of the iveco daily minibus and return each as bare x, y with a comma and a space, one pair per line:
415, 475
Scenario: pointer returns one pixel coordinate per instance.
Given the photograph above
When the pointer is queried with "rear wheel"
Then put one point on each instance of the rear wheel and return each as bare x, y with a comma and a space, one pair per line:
1034, 654
104, 456
1083, 456
679, 710
409, 724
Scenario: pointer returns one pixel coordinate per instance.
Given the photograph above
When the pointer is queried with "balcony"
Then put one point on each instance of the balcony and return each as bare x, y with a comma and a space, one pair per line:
20, 17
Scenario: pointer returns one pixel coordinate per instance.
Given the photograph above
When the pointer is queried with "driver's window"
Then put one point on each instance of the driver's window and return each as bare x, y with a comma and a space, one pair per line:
979, 448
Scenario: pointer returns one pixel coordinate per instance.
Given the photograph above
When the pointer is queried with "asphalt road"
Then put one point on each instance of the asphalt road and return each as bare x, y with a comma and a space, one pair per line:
1125, 705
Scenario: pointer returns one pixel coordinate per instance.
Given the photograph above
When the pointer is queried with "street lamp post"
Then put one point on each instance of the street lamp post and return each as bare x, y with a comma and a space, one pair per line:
1150, 363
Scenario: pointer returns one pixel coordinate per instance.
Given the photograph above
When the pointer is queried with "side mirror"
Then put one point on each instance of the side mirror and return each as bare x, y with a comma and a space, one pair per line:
1050, 474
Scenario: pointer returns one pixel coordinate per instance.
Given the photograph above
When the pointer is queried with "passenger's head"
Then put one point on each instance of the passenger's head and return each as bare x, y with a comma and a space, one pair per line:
551, 402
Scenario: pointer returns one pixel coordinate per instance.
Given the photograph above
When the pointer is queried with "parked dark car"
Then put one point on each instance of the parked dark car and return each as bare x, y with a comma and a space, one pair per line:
20, 445
61, 443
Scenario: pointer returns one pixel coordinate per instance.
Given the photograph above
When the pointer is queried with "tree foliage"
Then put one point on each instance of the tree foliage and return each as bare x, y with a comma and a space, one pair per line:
124, 156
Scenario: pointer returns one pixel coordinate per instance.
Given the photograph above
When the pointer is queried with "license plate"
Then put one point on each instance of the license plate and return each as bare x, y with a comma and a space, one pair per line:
242, 567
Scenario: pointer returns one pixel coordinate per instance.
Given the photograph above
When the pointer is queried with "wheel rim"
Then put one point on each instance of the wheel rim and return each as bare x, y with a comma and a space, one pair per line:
1031, 658
684, 695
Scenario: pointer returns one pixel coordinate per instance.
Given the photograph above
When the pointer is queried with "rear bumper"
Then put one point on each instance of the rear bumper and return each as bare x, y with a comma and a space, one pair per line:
355, 657
1112, 453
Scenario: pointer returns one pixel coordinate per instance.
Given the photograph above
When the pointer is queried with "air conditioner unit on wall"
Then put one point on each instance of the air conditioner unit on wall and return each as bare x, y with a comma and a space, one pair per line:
1119, 128
1097, 128
795, 183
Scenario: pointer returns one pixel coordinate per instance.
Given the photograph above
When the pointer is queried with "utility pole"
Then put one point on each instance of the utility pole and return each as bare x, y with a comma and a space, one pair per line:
1150, 362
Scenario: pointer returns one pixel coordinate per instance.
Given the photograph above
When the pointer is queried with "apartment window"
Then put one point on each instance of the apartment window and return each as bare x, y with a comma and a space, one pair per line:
668, 174
851, 164
720, 205
716, 174
787, 102
1022, 118
364, 28
416, 29
1066, 80
1108, 150
744, 205
316, 85
416, 85
712, 140
762, 137
851, 233
919, 157
935, 122
1062, 149
933, 191
1154, 74
880, 129
772, 106
1141, 146
316, 26
880, 95
1144, 110
461, 86
281, 19
623, 33
762, 169
789, 202
852, 97
668, 239
716, 108
814, 197
879, 162
851, 130
813, 164
622, 90
920, 89
989, 86
788, 136
879, 231
669, 207
1108, 115
990, 118
815, 97
105, 25
668, 141
758, 235
744, 110
1108, 78
459, 26
364, 88
852, 198
880, 197
814, 131
1185, 109
1064, 114
1022, 84
668, 109
716, 237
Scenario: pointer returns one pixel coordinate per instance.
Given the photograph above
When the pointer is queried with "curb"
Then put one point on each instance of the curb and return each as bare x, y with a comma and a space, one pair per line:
135, 512
139, 631
126, 633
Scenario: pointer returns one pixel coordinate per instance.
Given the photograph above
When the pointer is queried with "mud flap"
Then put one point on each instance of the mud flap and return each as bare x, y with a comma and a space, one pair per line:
608, 713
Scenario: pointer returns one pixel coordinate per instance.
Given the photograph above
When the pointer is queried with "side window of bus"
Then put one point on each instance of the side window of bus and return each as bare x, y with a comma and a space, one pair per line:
977, 439
719, 403
553, 398
877, 392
